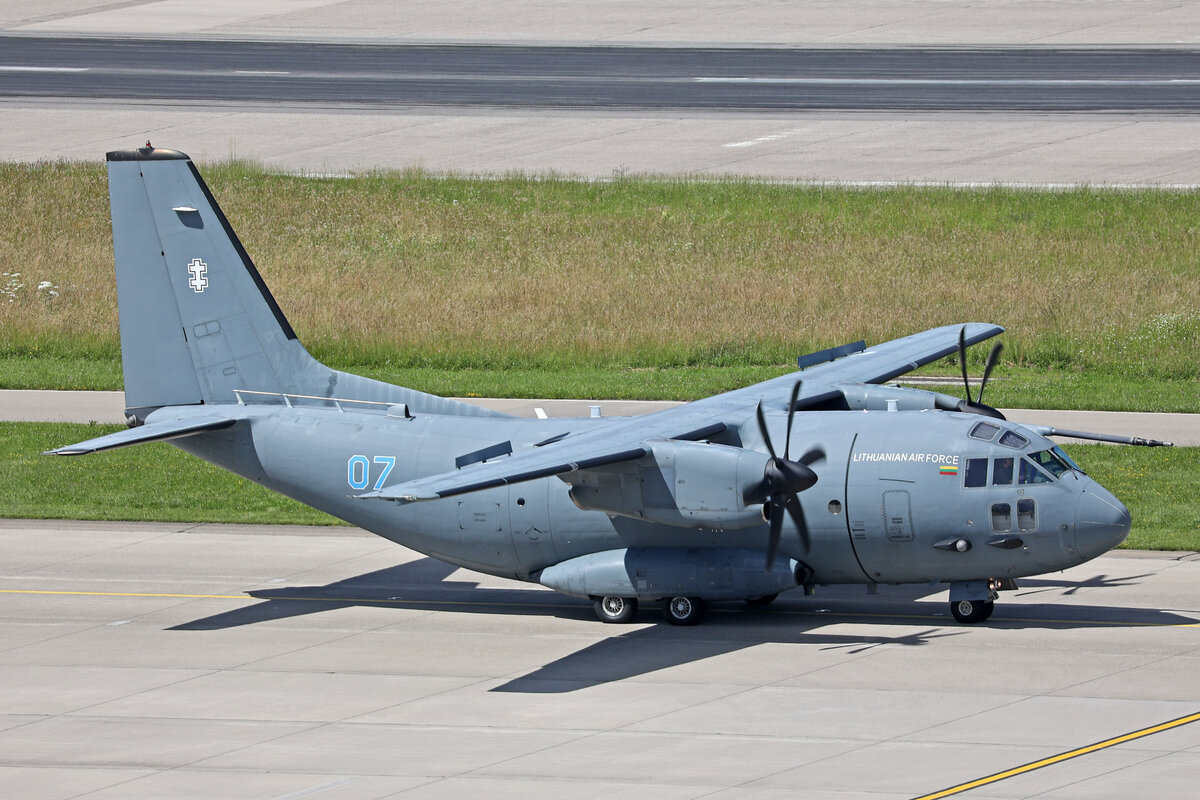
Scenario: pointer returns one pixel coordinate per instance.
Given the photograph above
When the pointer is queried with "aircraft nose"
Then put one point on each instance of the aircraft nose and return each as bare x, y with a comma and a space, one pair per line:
1101, 523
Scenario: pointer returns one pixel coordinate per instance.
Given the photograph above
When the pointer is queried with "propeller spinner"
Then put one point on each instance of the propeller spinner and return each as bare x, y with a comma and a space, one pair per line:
783, 480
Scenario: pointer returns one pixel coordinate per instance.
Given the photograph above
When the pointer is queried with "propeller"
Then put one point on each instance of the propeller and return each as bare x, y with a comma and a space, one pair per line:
783, 479
977, 406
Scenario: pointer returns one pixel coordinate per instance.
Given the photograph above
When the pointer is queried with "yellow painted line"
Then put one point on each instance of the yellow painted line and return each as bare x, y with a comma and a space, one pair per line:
1046, 762
127, 594
251, 598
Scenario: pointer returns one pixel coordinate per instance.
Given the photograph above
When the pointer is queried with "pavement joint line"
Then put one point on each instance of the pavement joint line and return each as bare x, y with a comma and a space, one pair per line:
1060, 757
922, 618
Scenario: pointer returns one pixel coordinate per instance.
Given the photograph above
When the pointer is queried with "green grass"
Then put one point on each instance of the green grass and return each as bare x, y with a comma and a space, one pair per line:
154, 482
642, 288
158, 482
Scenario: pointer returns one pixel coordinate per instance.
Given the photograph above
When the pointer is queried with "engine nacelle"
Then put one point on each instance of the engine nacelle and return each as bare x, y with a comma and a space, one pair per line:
651, 573
686, 484
872, 397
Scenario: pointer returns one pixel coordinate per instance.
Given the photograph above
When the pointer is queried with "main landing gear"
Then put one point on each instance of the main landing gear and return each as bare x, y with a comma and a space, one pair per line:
616, 610
684, 610
678, 610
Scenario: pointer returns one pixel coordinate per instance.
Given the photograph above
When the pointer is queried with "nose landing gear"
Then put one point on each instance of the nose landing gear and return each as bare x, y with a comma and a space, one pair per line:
973, 601
972, 611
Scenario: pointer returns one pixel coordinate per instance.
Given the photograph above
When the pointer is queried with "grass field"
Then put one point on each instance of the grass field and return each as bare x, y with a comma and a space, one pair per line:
523, 286
159, 482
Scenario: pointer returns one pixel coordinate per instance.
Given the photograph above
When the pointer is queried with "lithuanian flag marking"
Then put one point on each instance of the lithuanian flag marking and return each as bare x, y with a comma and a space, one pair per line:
949, 469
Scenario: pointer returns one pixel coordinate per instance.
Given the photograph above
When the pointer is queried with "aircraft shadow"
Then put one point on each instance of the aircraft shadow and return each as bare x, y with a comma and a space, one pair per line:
627, 653
647, 650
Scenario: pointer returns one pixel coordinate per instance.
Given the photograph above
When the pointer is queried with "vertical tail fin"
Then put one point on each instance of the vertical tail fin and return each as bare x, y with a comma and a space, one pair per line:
197, 321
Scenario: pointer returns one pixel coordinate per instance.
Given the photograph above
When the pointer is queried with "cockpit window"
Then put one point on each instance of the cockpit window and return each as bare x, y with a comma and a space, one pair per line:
984, 430
1031, 474
1049, 461
976, 474
1058, 451
1013, 439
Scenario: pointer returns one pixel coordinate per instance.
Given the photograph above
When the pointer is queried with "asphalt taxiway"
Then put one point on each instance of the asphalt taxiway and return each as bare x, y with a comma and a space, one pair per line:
157, 660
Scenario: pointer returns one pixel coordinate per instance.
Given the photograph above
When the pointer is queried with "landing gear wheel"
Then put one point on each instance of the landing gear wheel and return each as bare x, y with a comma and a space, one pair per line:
684, 610
972, 611
616, 610
765, 600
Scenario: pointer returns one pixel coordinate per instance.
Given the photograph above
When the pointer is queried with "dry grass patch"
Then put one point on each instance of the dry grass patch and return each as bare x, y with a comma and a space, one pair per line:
409, 269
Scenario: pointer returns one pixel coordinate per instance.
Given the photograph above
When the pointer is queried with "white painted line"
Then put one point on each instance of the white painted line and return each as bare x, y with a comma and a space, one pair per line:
260, 72
4, 68
952, 81
774, 137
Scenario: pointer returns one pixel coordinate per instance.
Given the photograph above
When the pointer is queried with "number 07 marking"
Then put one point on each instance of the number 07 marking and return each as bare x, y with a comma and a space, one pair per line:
358, 471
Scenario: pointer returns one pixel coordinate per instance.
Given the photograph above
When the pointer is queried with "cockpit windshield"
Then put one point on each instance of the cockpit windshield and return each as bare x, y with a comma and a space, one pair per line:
1053, 461
1058, 451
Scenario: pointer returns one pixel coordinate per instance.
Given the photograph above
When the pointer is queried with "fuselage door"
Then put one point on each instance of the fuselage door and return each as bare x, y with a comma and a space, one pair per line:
529, 522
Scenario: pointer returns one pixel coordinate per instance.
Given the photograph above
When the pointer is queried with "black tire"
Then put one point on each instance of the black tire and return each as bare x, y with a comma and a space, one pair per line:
683, 610
615, 610
970, 612
765, 600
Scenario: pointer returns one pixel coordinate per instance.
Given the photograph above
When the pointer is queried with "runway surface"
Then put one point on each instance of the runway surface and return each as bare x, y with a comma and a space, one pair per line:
886, 117
151, 660
381, 76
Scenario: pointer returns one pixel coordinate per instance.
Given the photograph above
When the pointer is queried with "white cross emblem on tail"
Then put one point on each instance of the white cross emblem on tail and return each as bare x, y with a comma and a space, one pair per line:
198, 281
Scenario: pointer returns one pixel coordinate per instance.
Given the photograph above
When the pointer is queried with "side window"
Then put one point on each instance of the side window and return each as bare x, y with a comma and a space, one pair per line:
1002, 472
1001, 517
976, 473
1031, 474
1027, 514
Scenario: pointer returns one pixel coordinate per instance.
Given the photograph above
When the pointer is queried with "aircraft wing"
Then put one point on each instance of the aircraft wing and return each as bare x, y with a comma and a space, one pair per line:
873, 365
621, 439
626, 439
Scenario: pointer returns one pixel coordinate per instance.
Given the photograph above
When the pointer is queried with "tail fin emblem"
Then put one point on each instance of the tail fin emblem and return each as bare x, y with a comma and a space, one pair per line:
199, 279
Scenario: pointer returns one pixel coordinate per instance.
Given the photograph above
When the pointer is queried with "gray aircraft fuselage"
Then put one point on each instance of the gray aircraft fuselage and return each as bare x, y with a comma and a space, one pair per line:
883, 497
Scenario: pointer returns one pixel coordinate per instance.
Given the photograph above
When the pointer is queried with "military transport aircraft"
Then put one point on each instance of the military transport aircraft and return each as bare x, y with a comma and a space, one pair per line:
703, 502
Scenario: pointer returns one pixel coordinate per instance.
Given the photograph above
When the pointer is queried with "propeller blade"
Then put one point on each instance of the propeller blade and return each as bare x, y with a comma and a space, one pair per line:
814, 456
962, 361
992, 358
776, 513
797, 513
762, 429
787, 443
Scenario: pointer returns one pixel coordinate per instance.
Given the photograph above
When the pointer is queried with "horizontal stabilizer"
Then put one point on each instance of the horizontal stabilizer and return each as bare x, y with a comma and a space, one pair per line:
152, 432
